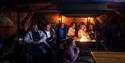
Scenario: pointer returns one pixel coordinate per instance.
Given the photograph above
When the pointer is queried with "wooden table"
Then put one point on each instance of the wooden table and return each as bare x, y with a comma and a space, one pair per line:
89, 45
109, 57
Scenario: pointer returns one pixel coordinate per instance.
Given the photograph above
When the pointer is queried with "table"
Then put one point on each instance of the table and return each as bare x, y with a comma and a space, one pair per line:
109, 57
89, 45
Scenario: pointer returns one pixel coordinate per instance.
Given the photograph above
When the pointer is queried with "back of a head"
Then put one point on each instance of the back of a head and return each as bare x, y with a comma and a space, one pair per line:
69, 42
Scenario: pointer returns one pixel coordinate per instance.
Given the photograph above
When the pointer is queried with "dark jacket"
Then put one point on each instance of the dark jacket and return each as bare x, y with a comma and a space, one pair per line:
61, 33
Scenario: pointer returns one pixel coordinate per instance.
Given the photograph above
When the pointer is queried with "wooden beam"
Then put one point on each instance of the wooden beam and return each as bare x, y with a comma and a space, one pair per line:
107, 21
26, 18
16, 2
119, 14
42, 11
122, 18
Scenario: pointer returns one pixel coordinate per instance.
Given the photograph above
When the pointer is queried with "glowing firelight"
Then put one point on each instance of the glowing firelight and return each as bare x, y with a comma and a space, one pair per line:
83, 39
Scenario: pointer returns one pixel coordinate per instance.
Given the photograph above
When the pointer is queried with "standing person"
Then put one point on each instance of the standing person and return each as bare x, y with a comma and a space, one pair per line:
39, 46
71, 30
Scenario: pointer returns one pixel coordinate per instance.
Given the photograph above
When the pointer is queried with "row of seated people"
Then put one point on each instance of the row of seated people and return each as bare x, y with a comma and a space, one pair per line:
48, 38
45, 48
75, 31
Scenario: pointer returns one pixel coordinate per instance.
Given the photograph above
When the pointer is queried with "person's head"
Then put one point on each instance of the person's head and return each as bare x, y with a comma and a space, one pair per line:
83, 27
73, 25
70, 42
62, 25
48, 26
35, 27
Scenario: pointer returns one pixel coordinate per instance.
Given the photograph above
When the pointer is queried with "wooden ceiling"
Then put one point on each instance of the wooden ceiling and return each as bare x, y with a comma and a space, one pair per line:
66, 7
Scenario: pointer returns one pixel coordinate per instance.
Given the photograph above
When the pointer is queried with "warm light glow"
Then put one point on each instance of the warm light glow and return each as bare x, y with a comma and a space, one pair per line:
83, 39
89, 18
84, 20
64, 19
59, 19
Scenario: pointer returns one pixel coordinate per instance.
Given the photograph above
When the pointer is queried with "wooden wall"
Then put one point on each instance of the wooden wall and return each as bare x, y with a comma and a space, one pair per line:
8, 20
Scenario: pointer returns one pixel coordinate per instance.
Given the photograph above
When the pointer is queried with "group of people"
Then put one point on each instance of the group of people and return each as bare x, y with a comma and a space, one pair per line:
48, 44
49, 34
72, 31
43, 42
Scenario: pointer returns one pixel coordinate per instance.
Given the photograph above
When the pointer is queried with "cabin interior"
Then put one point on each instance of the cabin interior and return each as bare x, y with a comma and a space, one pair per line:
107, 18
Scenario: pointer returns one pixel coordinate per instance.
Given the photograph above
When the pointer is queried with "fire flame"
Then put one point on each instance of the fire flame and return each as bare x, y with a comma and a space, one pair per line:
83, 39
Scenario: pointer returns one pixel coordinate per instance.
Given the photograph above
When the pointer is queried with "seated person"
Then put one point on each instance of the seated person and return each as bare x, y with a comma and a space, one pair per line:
71, 51
50, 34
35, 36
39, 46
61, 35
71, 30
82, 32
61, 32
91, 32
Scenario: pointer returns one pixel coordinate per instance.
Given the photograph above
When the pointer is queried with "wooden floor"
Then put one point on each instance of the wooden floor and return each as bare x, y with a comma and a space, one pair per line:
85, 57
88, 56
109, 57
